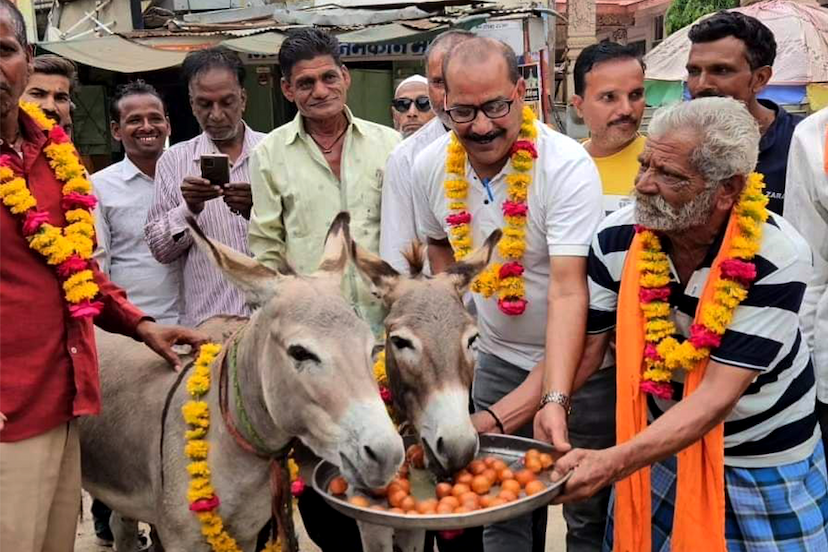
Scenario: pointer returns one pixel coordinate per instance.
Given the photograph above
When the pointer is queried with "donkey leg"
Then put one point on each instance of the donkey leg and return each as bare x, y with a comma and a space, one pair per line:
125, 531
376, 538
409, 540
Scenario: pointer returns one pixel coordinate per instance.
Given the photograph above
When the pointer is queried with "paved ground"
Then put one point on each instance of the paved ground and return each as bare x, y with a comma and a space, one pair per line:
555, 532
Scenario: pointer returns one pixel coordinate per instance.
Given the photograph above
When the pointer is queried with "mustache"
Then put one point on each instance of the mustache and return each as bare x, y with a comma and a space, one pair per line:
624, 120
709, 94
488, 137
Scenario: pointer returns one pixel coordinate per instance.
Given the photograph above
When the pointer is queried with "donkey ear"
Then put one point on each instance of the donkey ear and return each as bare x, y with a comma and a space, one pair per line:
258, 282
380, 276
337, 246
463, 272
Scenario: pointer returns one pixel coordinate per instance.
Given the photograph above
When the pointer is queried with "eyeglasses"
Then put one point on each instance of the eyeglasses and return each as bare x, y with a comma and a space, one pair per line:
494, 109
404, 104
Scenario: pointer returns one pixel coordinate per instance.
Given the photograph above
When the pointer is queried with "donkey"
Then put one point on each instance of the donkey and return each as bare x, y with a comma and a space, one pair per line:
303, 364
430, 363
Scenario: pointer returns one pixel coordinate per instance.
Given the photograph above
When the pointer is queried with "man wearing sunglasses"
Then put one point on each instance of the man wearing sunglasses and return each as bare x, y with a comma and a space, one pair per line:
411, 108
545, 254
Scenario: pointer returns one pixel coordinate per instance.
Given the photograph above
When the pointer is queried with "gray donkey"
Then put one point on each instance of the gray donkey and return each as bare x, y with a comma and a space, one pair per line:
430, 363
304, 370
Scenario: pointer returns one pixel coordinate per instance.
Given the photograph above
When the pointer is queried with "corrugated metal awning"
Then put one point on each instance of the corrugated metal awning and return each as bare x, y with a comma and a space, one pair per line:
115, 53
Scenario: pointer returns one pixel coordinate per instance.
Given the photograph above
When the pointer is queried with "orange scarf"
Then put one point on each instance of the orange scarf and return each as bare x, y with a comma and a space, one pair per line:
700, 495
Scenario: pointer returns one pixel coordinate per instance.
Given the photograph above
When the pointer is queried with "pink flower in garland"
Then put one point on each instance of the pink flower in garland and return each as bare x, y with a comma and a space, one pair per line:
736, 269
651, 352
661, 390
5, 160
71, 265
456, 219
510, 269
297, 487
385, 394
512, 306
86, 308
451, 534
75, 200
648, 295
703, 338
34, 220
204, 504
58, 135
524, 145
515, 209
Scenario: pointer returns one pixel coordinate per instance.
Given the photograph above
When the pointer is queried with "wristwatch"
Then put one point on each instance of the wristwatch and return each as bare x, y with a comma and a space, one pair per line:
558, 398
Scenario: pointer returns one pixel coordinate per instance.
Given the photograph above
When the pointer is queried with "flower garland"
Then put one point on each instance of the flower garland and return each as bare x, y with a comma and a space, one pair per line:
201, 495
68, 249
663, 354
505, 280
381, 376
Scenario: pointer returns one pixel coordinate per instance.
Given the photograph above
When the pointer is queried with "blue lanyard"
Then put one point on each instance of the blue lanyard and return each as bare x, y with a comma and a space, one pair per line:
485, 182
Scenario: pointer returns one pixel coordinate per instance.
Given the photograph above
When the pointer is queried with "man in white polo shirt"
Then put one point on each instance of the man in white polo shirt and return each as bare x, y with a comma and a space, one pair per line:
500, 168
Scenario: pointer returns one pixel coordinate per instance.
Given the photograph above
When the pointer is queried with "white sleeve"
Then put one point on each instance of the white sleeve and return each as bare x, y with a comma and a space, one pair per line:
574, 208
102, 253
806, 208
428, 224
397, 225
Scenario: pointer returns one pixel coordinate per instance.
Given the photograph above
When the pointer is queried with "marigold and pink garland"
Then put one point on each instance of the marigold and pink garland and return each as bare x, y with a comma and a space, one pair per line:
68, 249
509, 285
663, 354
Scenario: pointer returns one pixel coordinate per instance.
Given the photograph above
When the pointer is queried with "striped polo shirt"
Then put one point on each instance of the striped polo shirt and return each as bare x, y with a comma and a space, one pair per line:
773, 423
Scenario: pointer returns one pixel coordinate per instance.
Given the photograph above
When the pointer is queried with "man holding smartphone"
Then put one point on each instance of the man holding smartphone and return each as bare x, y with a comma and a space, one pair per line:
208, 178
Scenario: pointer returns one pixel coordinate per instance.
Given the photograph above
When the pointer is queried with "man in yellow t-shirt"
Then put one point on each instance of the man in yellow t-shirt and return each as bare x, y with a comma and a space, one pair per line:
609, 96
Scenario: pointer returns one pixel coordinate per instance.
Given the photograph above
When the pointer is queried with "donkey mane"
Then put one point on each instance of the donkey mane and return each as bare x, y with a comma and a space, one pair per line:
414, 255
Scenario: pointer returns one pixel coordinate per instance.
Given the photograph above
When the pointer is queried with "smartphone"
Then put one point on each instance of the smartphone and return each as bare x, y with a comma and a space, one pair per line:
216, 169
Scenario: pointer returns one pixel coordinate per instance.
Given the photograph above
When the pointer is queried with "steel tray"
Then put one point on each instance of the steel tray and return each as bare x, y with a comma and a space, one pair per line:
508, 448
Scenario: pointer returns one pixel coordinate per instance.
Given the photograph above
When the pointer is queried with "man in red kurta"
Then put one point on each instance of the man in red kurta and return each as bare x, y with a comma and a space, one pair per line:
48, 359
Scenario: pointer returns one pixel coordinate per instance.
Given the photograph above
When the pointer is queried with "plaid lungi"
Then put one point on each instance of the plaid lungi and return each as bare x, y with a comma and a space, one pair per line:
778, 509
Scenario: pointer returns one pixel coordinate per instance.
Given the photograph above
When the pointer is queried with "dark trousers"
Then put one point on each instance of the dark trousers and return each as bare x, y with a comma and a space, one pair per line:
591, 426
822, 415
493, 379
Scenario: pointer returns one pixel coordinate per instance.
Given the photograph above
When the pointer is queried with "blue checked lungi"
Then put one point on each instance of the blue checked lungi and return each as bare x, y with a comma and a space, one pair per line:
778, 509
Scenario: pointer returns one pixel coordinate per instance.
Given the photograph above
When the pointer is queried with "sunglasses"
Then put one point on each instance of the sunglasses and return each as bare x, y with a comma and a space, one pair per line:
404, 104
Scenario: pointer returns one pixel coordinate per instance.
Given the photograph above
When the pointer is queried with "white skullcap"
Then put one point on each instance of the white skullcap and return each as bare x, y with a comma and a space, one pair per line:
412, 79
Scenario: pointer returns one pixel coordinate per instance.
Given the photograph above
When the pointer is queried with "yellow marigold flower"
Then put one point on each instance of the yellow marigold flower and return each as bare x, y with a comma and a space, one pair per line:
511, 248
198, 385
519, 180
744, 248
196, 413
657, 329
79, 215
200, 488
488, 281
209, 350
78, 278
82, 244
47, 235
197, 449
71, 174
197, 433
654, 267
461, 253
20, 202
380, 374
717, 318
653, 256
515, 221
667, 346
199, 468
210, 523
456, 195
650, 242
658, 375
749, 227
521, 165
293, 468
459, 231
656, 309
34, 111
517, 233
512, 287
13, 186
522, 157
81, 292
6, 173
648, 280
462, 243
80, 228
457, 206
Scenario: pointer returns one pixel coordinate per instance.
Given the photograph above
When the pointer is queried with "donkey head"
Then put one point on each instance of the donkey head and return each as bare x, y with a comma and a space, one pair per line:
429, 355
305, 361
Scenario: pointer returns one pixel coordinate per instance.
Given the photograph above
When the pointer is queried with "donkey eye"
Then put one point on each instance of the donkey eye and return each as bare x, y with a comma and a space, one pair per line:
401, 342
472, 339
300, 354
